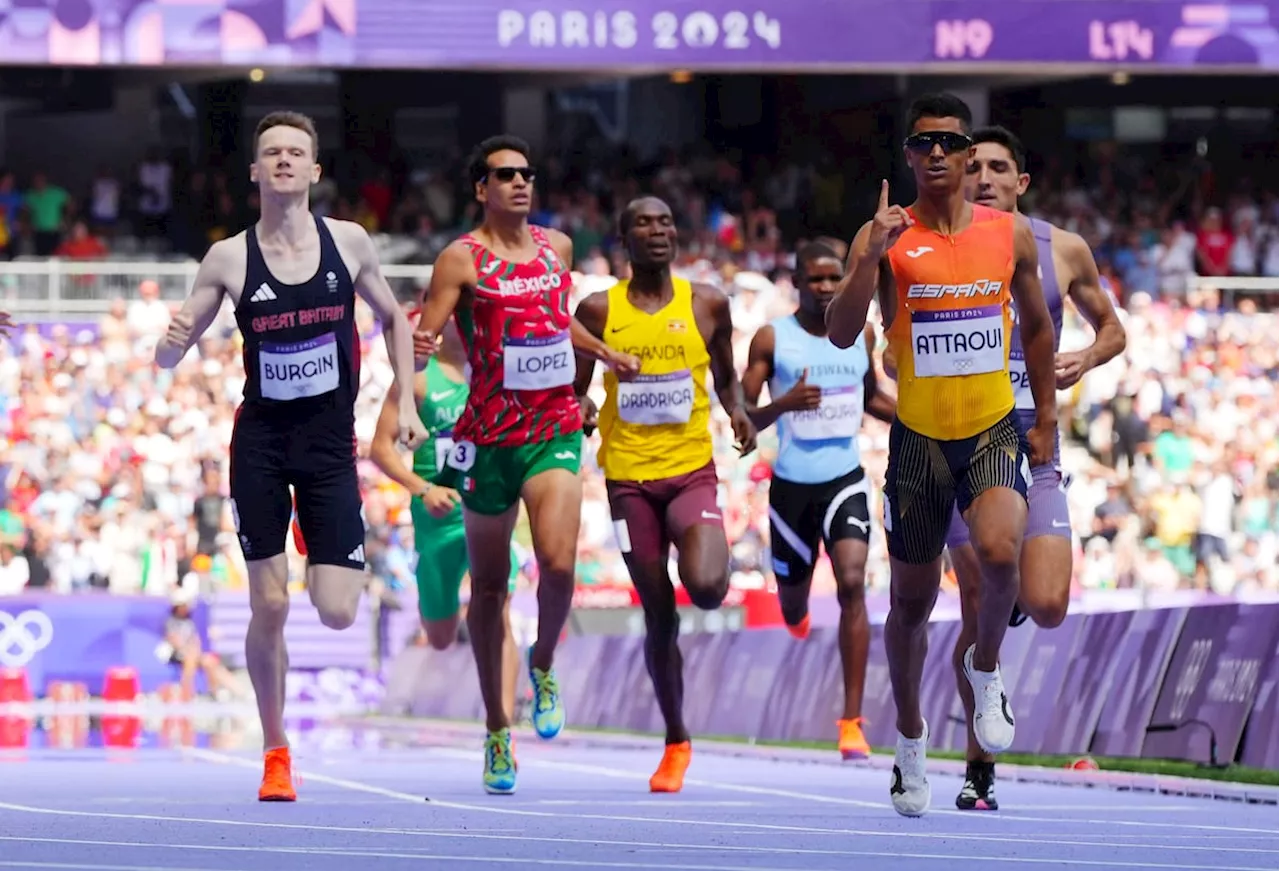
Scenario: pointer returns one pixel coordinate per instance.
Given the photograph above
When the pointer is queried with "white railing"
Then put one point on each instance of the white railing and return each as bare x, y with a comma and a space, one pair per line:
84, 289
77, 290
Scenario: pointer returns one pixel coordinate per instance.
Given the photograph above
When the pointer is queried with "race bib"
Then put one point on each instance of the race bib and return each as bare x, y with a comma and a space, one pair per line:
444, 444
300, 369
955, 342
537, 364
838, 417
654, 400
1022, 398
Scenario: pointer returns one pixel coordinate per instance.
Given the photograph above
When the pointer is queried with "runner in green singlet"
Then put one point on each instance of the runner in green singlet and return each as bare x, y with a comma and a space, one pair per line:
441, 392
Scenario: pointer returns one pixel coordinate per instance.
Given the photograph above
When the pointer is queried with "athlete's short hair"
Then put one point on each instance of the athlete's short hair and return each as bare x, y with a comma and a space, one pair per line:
288, 118
838, 246
941, 105
814, 251
1004, 137
478, 165
628, 213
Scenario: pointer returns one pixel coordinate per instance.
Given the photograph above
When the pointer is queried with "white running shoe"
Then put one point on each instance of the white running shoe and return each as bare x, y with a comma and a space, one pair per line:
992, 718
910, 787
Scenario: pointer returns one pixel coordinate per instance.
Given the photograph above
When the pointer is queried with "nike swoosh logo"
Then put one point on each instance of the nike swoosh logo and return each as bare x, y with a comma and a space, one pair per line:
1058, 524
619, 329
438, 397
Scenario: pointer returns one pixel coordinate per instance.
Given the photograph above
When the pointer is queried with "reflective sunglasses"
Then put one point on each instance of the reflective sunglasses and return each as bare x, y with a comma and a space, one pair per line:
508, 173
951, 143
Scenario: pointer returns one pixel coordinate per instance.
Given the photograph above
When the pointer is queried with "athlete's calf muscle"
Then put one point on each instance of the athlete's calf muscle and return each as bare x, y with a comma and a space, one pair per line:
1044, 593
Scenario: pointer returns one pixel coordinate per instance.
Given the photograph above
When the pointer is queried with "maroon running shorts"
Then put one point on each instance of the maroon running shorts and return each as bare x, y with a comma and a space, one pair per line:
649, 516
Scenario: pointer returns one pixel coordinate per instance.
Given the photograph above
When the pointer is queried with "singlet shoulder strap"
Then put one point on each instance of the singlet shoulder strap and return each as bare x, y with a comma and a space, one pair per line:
1042, 229
546, 251
481, 256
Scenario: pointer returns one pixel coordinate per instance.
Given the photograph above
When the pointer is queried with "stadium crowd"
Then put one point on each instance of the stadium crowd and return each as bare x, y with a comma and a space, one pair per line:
113, 473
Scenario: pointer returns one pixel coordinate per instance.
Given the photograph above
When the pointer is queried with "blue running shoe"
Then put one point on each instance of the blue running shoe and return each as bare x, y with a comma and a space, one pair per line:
499, 764
548, 710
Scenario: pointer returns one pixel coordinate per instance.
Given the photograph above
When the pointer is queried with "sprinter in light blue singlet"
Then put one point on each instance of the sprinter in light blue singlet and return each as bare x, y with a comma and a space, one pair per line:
819, 492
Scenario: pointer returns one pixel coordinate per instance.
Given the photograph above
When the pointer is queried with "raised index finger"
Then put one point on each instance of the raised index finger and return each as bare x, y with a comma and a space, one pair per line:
884, 194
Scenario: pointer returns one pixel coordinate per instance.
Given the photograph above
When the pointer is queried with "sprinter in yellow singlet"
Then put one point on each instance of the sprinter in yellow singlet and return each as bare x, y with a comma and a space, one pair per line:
947, 273
655, 446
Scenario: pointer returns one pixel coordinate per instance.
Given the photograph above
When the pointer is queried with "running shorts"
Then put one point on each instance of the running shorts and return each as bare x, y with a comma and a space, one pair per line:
648, 516
311, 449
441, 544
1047, 511
928, 478
802, 515
490, 477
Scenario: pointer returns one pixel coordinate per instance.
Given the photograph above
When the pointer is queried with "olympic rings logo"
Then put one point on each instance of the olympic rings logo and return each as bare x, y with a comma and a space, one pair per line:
23, 636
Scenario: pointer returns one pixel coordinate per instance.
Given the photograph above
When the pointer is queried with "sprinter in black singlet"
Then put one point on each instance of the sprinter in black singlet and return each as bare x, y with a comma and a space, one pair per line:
293, 280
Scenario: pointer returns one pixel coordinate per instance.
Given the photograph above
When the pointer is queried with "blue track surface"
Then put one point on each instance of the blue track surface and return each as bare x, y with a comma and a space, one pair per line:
578, 806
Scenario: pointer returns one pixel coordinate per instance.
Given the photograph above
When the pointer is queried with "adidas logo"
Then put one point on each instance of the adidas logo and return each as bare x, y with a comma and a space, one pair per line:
263, 294
357, 555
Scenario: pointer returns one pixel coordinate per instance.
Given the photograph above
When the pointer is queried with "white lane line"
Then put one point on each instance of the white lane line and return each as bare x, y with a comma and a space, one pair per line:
623, 774
737, 826
82, 866
596, 863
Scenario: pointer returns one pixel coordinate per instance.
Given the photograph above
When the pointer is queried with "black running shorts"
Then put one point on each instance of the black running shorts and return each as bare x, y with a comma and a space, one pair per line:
312, 450
802, 515
927, 476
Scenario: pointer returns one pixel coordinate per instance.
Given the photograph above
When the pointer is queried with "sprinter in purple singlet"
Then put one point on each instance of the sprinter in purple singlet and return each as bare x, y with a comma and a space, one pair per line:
996, 177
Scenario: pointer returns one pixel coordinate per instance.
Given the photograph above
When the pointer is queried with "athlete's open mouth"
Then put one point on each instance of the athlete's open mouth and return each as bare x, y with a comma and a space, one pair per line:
937, 171
985, 198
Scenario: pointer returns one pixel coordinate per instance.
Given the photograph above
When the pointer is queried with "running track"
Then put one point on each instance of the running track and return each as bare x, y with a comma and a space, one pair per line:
579, 805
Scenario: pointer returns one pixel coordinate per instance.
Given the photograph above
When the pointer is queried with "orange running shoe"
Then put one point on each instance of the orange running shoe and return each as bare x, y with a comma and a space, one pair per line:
277, 776
801, 629
853, 744
670, 774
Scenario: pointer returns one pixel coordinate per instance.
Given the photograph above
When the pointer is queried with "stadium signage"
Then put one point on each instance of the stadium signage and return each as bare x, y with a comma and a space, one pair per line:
623, 35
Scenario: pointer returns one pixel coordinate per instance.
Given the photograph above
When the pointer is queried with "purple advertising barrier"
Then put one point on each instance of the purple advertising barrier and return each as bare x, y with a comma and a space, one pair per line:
1212, 681
1036, 689
788, 681
578, 660
1087, 679
403, 681
78, 637
1141, 661
633, 35
312, 645
879, 713
447, 684
1261, 738
758, 706
938, 685
710, 661
819, 699
618, 659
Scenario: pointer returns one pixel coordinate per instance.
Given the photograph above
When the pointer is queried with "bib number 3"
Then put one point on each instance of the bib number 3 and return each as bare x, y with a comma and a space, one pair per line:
463, 456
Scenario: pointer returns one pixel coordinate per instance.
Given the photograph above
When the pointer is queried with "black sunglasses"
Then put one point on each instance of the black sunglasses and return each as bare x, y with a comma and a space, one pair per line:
951, 143
508, 173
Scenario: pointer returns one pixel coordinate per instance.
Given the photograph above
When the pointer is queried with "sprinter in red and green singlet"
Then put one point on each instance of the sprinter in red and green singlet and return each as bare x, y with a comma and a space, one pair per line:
519, 438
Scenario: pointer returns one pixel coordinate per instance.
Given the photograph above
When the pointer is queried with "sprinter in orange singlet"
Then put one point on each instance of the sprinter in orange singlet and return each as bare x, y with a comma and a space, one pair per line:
947, 272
